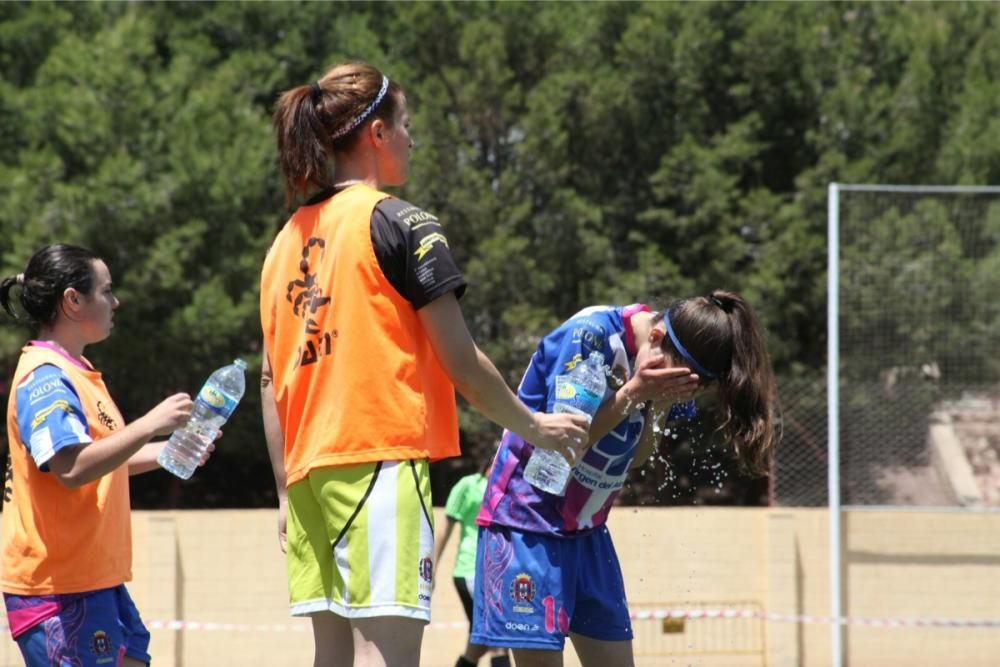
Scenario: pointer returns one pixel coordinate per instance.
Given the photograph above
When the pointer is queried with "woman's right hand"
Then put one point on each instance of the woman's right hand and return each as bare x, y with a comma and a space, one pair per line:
565, 433
655, 379
170, 415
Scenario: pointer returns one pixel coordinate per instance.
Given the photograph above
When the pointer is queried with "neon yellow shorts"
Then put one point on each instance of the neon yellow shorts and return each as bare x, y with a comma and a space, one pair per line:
361, 541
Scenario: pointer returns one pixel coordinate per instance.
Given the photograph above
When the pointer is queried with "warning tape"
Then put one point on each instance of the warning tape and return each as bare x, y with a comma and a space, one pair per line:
693, 614
261, 627
653, 614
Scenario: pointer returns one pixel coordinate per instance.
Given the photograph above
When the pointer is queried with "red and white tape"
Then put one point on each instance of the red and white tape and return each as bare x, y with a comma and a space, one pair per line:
652, 614
811, 619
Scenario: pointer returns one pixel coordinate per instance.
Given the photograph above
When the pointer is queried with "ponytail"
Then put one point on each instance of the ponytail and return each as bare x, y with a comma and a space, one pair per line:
50, 272
722, 333
747, 389
304, 149
314, 121
5, 286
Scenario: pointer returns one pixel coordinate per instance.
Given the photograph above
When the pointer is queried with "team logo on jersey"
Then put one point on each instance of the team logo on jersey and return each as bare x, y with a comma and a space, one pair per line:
105, 418
100, 644
305, 294
426, 568
522, 592
42, 388
427, 243
44, 413
573, 361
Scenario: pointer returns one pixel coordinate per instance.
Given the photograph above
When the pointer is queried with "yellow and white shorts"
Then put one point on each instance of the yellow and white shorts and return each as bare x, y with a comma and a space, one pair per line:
361, 541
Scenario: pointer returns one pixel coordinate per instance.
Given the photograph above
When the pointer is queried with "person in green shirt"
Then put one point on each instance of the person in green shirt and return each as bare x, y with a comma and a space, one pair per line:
461, 508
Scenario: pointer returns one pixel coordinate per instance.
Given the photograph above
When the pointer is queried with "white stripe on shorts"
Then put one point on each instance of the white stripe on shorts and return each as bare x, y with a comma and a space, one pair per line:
382, 512
426, 548
342, 560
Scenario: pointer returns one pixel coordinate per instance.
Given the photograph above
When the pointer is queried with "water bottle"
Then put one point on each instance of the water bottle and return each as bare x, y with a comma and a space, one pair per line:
212, 408
578, 392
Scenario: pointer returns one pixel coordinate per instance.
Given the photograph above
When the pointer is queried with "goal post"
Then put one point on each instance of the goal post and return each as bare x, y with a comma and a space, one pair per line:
902, 339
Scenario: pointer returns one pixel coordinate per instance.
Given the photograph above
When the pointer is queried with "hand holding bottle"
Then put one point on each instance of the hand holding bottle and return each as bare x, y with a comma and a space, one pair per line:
561, 432
170, 414
189, 442
579, 394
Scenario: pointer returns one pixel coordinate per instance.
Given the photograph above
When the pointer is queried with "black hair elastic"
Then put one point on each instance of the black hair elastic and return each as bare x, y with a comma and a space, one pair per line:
316, 91
713, 299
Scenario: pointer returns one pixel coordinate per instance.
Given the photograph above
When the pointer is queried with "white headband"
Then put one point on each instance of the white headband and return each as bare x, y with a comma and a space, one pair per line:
364, 114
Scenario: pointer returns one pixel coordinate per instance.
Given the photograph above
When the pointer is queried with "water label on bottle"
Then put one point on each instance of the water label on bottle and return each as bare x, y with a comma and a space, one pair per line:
576, 395
565, 390
216, 401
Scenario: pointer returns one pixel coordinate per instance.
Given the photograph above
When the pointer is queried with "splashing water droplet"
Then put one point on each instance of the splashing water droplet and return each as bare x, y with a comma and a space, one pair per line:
628, 407
615, 381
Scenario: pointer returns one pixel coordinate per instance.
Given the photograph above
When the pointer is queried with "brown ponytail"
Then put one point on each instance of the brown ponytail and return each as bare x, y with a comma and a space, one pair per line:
722, 333
307, 118
303, 144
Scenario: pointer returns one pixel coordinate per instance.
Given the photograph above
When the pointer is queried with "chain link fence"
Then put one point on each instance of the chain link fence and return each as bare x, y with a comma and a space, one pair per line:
799, 470
919, 330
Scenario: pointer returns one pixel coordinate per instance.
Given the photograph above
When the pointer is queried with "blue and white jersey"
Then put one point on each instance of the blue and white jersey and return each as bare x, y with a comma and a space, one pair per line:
49, 414
599, 476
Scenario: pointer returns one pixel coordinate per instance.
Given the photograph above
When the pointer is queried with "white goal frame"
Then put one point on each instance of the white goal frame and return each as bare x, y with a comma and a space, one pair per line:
837, 620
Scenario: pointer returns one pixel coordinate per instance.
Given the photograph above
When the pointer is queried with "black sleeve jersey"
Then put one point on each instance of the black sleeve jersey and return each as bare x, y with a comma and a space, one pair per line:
413, 253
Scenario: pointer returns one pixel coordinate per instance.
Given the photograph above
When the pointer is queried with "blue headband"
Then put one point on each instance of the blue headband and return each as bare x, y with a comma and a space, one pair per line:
680, 349
360, 118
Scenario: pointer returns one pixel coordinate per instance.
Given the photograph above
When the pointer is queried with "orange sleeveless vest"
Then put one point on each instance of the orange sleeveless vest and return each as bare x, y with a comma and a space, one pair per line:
355, 378
59, 540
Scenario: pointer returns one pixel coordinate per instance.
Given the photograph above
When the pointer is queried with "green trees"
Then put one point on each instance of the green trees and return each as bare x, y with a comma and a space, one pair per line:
575, 152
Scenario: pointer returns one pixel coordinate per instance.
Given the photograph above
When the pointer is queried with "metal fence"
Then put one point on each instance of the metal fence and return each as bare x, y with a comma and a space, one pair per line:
799, 470
918, 336
910, 335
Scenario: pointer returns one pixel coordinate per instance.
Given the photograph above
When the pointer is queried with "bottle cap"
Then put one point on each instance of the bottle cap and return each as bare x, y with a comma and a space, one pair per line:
240, 363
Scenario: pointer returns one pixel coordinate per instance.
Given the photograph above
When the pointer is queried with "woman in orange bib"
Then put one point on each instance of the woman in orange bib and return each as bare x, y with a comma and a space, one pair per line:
67, 541
365, 345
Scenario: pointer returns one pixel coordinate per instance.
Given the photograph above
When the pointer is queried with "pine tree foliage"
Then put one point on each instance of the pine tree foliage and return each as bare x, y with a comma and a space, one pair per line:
576, 153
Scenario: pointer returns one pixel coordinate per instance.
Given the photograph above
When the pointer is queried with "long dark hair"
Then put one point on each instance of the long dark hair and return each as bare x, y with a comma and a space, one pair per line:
49, 273
307, 118
721, 334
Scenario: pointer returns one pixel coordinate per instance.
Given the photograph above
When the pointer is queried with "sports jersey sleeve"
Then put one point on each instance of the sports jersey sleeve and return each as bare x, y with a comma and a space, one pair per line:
454, 506
572, 344
49, 414
413, 252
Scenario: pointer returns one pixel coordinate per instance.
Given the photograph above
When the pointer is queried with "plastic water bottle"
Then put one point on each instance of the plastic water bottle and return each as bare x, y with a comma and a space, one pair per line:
578, 392
212, 408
